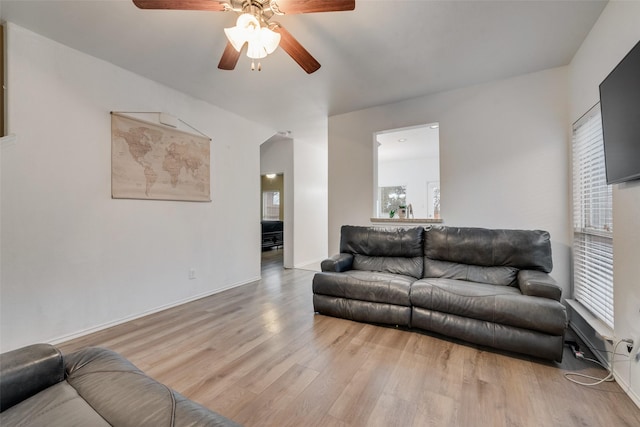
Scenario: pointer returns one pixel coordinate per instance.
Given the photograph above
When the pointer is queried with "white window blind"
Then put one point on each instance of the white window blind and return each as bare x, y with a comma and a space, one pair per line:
270, 205
592, 219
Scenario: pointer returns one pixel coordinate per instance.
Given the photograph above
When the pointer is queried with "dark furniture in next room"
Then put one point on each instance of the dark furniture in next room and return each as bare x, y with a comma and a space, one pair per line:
272, 234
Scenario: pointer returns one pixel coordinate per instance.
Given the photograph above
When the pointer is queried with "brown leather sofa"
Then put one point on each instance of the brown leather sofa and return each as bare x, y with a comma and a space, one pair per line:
92, 387
488, 287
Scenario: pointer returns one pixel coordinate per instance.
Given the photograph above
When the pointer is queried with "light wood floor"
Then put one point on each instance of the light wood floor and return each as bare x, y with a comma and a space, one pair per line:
260, 356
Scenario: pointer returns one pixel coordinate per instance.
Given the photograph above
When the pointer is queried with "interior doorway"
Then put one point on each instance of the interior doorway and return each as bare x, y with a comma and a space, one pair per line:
276, 157
276, 199
272, 219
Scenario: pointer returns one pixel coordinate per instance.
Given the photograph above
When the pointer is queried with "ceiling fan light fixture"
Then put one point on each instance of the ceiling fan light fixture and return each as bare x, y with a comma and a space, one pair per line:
262, 43
261, 40
270, 39
255, 50
246, 26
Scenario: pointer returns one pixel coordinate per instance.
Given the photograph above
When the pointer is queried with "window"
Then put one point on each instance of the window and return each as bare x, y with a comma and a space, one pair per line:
592, 220
270, 205
407, 171
391, 198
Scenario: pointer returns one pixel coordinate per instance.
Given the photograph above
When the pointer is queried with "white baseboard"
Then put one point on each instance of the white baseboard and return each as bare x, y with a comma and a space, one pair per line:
627, 388
309, 265
87, 331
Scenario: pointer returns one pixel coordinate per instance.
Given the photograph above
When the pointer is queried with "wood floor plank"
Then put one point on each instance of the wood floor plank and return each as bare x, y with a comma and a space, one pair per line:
311, 406
435, 410
361, 395
390, 411
258, 354
521, 404
268, 406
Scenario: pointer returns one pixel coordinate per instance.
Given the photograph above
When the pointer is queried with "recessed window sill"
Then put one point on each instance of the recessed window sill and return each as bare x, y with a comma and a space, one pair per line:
407, 220
604, 331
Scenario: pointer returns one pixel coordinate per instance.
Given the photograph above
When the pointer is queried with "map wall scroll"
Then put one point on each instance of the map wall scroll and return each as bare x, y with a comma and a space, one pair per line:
154, 162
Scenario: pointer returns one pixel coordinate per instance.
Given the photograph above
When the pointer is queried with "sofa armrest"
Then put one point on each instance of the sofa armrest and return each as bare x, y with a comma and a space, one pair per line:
338, 263
538, 284
123, 395
27, 371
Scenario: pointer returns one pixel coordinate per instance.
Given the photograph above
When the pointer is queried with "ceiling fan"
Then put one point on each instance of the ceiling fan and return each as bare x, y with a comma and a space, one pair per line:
253, 28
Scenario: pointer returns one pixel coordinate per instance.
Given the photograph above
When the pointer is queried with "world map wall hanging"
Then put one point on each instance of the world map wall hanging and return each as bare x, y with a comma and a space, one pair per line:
155, 162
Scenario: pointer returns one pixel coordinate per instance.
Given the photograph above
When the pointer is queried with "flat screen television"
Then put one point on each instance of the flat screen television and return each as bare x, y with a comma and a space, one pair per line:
620, 106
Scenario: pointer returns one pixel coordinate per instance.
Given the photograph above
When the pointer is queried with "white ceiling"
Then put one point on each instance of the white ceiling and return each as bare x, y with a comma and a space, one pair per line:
384, 51
415, 142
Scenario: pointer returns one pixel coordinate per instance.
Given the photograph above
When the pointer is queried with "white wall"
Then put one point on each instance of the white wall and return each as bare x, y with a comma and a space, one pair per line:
503, 158
73, 259
310, 193
614, 34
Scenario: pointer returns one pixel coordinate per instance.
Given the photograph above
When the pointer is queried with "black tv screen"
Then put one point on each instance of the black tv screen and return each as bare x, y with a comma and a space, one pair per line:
620, 105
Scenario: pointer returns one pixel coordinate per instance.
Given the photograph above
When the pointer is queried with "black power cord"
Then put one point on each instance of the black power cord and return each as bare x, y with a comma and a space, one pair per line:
575, 349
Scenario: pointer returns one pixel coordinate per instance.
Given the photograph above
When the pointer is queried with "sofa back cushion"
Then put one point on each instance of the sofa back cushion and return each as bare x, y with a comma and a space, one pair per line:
391, 250
519, 249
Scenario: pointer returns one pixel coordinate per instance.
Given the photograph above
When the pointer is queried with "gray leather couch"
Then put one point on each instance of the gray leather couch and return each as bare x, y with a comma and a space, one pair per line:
92, 387
488, 287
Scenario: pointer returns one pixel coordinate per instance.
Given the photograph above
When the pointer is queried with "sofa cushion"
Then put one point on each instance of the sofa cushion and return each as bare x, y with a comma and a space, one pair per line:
497, 304
522, 249
364, 286
506, 276
387, 242
57, 406
390, 250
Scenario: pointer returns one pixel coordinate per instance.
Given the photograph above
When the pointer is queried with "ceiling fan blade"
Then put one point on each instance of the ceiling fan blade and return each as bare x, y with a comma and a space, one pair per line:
229, 58
295, 50
212, 5
291, 7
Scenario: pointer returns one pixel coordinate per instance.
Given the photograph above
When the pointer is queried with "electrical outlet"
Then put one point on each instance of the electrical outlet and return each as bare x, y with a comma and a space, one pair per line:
192, 273
629, 342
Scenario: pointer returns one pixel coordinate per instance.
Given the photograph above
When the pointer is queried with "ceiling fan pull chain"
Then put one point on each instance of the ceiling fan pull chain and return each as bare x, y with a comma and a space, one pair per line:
253, 65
